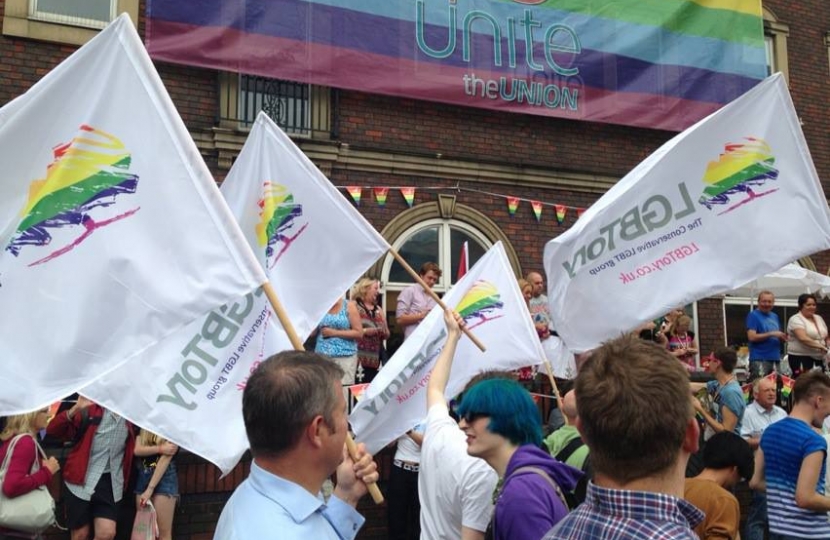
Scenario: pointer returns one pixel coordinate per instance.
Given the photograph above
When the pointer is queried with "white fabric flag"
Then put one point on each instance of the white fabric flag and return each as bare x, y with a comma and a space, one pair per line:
113, 232
315, 245
700, 216
489, 299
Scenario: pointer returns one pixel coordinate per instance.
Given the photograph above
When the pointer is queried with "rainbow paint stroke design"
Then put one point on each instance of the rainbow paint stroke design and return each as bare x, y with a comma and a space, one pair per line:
741, 167
278, 214
90, 171
481, 304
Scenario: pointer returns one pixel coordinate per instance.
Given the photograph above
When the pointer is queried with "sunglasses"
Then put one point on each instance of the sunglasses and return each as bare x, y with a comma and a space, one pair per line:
471, 417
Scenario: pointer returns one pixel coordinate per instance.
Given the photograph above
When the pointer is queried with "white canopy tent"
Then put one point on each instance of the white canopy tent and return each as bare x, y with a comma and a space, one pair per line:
788, 282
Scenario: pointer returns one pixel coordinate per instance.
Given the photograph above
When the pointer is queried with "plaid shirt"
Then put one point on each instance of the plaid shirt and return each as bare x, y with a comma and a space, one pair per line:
618, 514
106, 456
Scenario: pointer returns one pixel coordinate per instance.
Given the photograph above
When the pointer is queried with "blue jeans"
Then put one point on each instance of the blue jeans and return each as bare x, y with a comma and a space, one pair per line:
756, 520
761, 368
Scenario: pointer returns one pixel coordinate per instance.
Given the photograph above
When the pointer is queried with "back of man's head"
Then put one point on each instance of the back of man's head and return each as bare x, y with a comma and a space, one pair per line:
634, 408
809, 385
569, 406
512, 412
283, 395
725, 450
728, 358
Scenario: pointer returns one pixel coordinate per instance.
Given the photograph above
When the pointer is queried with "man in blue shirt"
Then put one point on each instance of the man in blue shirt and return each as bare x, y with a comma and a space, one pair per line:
636, 417
790, 464
295, 418
763, 331
726, 393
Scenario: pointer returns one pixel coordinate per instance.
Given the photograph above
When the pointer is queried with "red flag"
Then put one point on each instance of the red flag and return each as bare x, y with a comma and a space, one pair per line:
463, 262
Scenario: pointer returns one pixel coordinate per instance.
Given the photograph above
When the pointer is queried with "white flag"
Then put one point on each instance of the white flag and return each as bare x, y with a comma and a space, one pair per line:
113, 232
489, 299
315, 244
730, 199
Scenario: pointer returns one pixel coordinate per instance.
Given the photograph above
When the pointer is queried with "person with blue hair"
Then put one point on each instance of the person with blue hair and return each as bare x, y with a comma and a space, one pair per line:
503, 427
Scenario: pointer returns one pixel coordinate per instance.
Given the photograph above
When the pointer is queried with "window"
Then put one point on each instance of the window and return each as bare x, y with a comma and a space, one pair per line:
775, 42
72, 22
89, 13
302, 110
436, 240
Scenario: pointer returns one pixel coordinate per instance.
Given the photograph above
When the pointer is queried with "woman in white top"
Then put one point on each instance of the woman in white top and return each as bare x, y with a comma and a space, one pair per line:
808, 339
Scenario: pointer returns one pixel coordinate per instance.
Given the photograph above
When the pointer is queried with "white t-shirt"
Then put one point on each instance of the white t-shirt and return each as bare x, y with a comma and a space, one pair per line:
815, 330
455, 489
408, 449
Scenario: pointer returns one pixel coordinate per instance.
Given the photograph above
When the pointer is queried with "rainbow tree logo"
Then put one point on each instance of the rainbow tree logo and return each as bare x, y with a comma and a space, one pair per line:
481, 304
88, 172
278, 215
742, 168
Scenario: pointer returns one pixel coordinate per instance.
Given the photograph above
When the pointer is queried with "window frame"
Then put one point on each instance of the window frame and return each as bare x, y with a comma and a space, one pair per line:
444, 251
19, 21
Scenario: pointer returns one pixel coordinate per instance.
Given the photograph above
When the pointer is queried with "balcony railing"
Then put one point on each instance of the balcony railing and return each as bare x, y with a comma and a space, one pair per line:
301, 110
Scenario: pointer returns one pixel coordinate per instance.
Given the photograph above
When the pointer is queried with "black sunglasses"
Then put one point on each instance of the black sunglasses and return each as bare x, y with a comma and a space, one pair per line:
471, 417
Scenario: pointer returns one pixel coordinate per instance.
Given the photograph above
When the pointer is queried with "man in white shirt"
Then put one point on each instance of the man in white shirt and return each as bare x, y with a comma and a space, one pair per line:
758, 416
455, 488
415, 303
295, 420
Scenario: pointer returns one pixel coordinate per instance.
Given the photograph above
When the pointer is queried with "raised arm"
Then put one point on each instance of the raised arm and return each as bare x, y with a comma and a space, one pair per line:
441, 372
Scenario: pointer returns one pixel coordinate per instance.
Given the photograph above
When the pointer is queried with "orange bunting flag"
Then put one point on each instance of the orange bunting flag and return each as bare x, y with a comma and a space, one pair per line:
355, 192
357, 390
512, 205
560, 212
380, 195
408, 195
537, 210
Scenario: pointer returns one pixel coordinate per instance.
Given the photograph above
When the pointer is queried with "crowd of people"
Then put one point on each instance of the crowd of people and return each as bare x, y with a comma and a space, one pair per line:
617, 468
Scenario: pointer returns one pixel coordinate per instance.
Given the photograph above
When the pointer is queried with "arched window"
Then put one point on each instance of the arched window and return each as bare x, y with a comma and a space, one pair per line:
434, 240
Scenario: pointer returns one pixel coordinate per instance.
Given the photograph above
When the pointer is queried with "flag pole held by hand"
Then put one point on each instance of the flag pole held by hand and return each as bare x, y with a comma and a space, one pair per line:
434, 296
374, 491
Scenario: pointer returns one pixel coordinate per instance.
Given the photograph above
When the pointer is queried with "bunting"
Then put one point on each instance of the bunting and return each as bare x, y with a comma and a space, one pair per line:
560, 213
512, 205
408, 195
380, 195
537, 210
355, 192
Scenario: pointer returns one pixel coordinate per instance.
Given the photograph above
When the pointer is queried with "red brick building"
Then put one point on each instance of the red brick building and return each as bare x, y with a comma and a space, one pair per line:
463, 162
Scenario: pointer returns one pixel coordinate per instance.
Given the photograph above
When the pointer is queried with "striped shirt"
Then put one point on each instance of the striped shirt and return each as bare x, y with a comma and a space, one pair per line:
621, 514
785, 445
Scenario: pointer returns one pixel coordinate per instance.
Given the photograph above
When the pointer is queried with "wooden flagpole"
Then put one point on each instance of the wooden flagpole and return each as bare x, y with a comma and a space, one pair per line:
432, 294
297, 343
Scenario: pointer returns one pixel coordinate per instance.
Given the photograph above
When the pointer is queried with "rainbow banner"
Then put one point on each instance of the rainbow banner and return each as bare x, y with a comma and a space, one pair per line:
408, 195
651, 63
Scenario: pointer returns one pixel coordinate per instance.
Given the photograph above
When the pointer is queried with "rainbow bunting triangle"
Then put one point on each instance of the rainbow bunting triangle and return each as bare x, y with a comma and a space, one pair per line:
408, 195
355, 192
512, 205
560, 212
786, 385
579, 212
380, 195
537, 210
747, 390
357, 390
